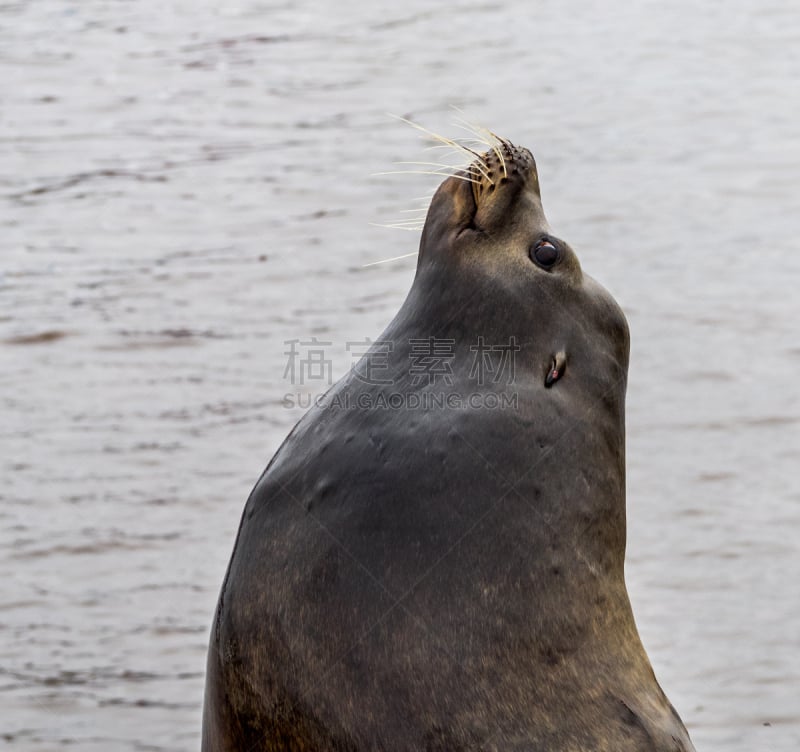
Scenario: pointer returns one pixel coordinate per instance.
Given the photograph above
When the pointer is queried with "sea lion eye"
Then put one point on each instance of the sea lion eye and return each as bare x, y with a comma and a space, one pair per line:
545, 253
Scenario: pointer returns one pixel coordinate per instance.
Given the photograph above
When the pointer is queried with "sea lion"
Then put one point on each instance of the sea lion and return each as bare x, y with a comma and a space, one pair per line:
442, 574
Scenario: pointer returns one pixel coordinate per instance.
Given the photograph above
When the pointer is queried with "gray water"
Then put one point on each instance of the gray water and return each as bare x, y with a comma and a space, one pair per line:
185, 187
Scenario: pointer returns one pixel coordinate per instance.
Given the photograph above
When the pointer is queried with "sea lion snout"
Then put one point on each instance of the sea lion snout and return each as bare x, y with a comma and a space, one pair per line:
504, 165
498, 191
490, 216
505, 186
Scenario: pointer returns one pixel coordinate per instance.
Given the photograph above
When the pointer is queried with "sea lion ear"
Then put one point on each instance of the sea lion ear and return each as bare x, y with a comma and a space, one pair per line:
558, 364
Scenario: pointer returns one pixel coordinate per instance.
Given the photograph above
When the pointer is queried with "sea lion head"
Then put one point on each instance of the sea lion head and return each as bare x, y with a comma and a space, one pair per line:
490, 260
497, 201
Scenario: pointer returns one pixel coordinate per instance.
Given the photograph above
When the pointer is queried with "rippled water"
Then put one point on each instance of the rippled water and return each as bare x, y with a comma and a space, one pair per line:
184, 187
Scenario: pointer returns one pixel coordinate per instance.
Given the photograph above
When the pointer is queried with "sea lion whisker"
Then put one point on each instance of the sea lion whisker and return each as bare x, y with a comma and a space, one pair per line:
418, 221
392, 227
437, 146
414, 222
480, 128
481, 132
469, 128
501, 158
428, 172
440, 146
462, 118
475, 141
483, 172
483, 168
460, 147
476, 156
483, 142
462, 142
504, 141
396, 227
386, 261
431, 164
493, 146
443, 139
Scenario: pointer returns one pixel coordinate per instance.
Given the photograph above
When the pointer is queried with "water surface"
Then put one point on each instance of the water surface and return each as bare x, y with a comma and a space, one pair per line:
186, 187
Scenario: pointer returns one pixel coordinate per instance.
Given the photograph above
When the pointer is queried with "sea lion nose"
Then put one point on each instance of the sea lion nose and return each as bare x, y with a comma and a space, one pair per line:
518, 167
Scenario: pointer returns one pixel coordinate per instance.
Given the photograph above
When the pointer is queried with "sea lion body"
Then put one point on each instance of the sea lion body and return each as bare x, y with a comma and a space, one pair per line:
449, 576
